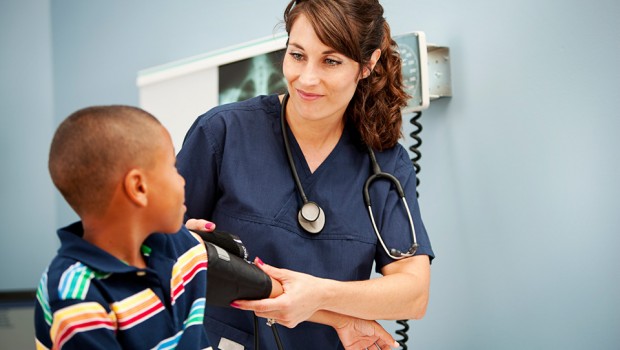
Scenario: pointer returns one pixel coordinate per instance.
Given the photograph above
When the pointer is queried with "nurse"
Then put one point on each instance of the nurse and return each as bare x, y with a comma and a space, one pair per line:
345, 92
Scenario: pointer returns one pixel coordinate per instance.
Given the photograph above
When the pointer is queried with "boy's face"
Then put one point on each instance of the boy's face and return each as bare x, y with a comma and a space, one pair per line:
167, 188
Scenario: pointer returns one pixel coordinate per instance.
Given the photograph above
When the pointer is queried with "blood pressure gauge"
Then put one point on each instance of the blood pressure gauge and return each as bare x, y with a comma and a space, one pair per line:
412, 49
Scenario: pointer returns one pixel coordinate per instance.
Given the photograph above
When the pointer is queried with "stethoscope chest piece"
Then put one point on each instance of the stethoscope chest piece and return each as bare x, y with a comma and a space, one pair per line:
311, 217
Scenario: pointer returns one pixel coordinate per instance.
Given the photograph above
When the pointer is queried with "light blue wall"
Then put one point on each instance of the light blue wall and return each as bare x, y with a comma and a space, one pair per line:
519, 167
27, 207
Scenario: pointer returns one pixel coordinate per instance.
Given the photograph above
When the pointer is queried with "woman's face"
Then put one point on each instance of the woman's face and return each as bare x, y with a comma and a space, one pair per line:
321, 81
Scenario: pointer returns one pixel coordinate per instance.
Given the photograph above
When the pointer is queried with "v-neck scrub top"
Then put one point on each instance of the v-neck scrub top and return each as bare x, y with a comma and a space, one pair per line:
238, 176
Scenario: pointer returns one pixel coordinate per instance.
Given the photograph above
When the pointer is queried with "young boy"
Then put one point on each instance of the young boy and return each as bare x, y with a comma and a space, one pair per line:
114, 282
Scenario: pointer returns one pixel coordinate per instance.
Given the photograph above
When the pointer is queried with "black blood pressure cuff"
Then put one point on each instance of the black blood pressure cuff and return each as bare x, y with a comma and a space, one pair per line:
230, 278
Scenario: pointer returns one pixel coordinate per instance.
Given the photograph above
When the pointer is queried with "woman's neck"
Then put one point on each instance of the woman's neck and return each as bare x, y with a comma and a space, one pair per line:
317, 139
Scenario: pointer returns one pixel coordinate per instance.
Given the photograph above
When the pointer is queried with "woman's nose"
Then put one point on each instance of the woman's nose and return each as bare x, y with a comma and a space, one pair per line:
309, 75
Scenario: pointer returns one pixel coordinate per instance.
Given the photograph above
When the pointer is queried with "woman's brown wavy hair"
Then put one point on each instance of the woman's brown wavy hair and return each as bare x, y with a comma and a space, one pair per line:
356, 28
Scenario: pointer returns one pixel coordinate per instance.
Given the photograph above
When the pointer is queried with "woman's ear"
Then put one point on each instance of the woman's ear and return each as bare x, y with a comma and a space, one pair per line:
374, 58
135, 187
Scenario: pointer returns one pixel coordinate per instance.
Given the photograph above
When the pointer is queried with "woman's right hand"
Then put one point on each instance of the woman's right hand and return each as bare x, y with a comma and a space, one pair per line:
200, 225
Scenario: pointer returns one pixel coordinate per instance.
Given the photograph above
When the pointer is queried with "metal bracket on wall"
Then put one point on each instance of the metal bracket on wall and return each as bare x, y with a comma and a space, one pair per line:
439, 77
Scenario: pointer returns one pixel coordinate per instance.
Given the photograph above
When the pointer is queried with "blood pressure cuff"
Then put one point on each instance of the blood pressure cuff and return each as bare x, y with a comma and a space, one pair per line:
231, 278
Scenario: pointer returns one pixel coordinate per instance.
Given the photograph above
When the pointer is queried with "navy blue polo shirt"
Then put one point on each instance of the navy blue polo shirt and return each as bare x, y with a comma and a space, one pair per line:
88, 299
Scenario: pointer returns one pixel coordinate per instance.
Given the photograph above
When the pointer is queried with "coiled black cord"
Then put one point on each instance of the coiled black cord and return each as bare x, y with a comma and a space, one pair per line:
415, 135
414, 148
403, 333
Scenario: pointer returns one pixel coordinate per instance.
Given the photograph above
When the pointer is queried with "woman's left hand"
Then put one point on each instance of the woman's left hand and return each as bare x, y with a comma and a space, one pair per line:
357, 334
300, 300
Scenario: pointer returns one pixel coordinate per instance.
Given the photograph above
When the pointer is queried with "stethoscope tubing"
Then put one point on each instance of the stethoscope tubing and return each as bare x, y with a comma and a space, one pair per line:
377, 175
289, 154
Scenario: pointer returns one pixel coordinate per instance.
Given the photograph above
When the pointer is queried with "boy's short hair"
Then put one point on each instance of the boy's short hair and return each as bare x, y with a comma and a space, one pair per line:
94, 148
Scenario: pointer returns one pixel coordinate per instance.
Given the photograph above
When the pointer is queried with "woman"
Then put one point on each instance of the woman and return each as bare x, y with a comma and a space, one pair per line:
345, 91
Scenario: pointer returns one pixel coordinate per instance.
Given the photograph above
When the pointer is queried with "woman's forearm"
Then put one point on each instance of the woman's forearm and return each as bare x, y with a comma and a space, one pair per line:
402, 293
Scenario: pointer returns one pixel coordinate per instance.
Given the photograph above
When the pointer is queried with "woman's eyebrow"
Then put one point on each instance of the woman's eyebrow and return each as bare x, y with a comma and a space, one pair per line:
326, 52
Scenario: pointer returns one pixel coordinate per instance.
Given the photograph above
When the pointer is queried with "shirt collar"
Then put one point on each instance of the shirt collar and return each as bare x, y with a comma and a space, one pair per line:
75, 247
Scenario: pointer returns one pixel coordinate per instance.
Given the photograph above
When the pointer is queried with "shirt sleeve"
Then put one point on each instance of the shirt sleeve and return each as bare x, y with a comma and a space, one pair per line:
72, 323
198, 162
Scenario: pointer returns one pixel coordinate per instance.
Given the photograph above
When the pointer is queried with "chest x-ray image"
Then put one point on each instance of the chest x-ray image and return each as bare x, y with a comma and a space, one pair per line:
258, 75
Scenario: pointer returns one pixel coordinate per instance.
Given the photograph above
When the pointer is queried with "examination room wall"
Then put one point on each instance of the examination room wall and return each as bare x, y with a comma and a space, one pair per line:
519, 188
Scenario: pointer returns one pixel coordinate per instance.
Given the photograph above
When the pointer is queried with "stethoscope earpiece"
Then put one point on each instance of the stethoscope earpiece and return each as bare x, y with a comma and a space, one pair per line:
396, 252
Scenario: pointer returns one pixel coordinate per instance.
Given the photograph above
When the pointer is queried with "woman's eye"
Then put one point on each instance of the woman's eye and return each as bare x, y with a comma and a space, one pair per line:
331, 62
296, 56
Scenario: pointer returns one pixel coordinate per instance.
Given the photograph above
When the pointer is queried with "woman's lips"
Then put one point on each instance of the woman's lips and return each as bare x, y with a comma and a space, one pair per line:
308, 96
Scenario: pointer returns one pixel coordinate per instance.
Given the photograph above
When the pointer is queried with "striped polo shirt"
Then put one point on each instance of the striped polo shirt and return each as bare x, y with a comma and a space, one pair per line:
88, 299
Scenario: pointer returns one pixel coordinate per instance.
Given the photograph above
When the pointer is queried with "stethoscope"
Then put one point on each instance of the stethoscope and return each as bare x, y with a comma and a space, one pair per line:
312, 218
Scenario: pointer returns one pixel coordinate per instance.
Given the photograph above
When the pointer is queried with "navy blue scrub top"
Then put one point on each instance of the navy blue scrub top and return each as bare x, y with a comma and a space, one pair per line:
237, 175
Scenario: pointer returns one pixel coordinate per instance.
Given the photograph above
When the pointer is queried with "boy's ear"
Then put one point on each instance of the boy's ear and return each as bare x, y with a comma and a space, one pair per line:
135, 187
